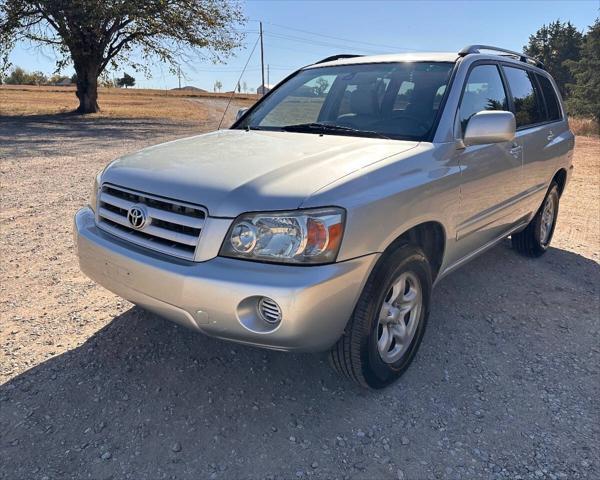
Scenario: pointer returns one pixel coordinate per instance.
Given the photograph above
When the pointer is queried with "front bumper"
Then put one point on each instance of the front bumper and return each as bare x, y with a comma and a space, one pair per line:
217, 297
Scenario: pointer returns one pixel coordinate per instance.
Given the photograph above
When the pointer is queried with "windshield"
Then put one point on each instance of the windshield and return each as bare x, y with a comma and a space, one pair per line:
391, 100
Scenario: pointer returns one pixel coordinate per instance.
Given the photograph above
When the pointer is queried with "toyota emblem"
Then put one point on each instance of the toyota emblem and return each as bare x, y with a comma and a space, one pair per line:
137, 217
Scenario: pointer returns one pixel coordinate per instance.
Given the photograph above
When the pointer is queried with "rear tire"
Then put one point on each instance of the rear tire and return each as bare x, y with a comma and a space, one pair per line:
535, 239
388, 323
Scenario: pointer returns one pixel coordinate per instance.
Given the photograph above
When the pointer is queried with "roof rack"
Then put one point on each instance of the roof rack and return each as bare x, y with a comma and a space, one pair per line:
521, 56
337, 57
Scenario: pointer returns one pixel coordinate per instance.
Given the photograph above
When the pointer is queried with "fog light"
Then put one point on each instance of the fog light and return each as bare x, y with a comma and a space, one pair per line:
269, 310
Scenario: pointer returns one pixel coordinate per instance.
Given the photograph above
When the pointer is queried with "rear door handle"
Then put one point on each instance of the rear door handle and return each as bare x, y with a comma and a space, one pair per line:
550, 135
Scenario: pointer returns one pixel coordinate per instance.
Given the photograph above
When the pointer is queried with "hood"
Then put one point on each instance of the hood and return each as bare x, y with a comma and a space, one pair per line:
234, 171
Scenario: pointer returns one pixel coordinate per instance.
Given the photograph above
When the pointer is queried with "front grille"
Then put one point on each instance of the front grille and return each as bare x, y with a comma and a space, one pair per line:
171, 227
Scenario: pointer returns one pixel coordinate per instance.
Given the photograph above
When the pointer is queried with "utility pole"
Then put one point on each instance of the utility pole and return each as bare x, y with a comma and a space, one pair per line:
262, 60
179, 75
268, 76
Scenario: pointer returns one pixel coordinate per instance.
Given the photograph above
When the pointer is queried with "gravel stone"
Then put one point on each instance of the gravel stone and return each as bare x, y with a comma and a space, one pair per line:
512, 338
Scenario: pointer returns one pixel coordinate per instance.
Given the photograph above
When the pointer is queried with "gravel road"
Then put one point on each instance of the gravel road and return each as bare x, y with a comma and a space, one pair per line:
506, 384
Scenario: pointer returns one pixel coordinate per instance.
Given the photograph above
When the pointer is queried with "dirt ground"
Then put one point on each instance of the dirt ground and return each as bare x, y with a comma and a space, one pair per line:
506, 384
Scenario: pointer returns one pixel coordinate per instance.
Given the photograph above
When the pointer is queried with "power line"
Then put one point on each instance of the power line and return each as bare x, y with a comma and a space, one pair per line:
273, 40
393, 47
320, 43
237, 70
277, 46
238, 82
262, 60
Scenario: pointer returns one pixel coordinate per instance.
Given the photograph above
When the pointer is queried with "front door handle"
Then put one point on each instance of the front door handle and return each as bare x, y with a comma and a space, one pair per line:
550, 135
515, 151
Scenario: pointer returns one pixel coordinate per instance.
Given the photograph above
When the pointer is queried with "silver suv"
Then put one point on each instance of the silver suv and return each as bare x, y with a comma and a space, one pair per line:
322, 219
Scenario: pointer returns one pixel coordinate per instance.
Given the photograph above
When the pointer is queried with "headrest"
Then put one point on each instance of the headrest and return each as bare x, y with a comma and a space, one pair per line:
363, 100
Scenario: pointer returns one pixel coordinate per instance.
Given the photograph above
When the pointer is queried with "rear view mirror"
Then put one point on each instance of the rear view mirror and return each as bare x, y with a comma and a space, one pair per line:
240, 113
490, 126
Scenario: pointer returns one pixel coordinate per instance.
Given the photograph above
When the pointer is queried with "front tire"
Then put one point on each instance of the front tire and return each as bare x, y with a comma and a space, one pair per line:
535, 239
388, 323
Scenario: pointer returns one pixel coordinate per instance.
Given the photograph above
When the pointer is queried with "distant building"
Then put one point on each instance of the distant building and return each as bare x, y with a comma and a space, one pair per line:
264, 89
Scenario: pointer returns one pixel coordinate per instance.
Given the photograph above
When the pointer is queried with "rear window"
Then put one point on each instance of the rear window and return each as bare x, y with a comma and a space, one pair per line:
528, 106
552, 106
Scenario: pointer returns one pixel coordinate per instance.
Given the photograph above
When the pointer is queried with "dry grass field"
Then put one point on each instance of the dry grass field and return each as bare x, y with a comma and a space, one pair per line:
114, 102
584, 126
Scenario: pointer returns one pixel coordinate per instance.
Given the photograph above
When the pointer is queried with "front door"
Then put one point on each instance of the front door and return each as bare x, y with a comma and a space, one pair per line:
491, 175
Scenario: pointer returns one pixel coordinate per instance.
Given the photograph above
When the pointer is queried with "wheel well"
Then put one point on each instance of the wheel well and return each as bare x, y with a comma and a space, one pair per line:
431, 238
561, 179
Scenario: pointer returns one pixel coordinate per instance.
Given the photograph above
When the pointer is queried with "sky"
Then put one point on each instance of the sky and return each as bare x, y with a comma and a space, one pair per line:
297, 33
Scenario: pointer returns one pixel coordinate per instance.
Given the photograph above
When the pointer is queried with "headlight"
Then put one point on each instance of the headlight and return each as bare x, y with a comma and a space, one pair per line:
301, 236
95, 190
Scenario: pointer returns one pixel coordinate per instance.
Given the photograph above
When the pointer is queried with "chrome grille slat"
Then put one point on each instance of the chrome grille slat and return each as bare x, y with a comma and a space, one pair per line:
113, 217
151, 229
172, 228
168, 250
164, 215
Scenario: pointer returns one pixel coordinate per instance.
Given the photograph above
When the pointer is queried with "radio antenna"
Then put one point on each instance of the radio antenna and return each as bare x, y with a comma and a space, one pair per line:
238, 82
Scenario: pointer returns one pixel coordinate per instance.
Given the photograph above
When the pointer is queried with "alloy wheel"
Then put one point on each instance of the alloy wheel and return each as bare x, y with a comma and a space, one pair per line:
399, 317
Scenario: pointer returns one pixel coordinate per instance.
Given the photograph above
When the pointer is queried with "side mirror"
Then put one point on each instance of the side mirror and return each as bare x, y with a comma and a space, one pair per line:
490, 126
240, 113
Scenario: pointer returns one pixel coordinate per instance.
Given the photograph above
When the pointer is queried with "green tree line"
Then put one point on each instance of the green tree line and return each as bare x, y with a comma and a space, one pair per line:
19, 76
573, 60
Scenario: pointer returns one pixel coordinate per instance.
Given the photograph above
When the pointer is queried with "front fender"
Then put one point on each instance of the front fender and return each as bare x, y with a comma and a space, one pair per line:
386, 200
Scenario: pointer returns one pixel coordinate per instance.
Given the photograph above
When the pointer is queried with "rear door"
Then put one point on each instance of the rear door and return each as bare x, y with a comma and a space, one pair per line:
537, 131
490, 174
556, 136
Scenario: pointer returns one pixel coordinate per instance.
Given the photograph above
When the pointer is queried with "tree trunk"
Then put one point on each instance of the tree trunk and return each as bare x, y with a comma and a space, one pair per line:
87, 88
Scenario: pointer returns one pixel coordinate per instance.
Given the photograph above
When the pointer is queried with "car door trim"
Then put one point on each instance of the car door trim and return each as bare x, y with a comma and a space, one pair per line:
473, 225
461, 261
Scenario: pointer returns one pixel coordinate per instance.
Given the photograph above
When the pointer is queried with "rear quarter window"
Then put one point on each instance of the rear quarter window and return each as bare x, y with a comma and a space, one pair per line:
552, 105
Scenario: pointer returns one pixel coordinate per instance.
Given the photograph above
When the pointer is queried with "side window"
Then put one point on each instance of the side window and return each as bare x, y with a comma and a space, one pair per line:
302, 105
528, 106
483, 91
552, 105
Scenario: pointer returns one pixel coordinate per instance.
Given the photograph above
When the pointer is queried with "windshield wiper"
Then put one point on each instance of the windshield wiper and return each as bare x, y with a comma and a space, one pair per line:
316, 127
